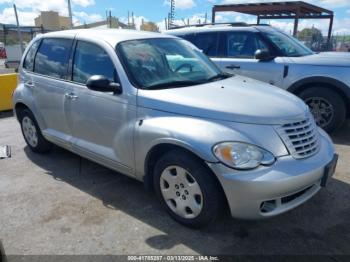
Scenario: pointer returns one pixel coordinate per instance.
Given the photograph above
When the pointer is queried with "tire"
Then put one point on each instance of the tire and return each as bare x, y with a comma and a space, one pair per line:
189, 174
327, 106
30, 130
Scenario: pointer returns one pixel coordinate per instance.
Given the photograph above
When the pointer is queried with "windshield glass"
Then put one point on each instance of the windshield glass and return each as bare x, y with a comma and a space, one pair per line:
166, 63
288, 45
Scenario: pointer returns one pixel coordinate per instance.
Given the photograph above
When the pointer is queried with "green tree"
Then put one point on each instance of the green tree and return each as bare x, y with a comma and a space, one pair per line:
313, 35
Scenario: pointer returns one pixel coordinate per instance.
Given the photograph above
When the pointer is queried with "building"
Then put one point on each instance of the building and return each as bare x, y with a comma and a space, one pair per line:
51, 20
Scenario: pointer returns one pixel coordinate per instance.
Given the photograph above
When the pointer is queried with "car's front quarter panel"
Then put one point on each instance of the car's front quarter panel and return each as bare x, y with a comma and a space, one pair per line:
196, 135
332, 74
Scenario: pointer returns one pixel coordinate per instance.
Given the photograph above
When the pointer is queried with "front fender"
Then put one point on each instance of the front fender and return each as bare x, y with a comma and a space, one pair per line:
194, 134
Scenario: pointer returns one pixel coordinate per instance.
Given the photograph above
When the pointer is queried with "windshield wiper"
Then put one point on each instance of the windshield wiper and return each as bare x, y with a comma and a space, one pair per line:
219, 77
174, 84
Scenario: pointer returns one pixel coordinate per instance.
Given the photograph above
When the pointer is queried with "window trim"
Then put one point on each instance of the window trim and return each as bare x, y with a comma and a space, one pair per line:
53, 77
71, 63
35, 52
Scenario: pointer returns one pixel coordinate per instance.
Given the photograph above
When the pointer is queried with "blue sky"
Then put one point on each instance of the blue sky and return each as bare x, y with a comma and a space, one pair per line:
156, 10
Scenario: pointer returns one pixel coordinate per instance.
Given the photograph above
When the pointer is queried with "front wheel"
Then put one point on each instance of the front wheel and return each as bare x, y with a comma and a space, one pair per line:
187, 189
327, 107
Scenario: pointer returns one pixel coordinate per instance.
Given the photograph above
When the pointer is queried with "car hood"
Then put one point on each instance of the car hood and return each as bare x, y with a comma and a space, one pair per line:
236, 99
341, 59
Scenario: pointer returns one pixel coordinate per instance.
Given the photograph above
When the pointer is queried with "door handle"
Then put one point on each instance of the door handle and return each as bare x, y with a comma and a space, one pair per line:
71, 96
29, 84
232, 67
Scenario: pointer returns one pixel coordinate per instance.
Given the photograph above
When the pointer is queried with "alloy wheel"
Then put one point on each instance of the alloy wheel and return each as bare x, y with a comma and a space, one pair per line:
321, 109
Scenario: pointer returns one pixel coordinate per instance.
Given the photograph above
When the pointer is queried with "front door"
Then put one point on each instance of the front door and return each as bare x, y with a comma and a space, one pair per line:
101, 122
239, 49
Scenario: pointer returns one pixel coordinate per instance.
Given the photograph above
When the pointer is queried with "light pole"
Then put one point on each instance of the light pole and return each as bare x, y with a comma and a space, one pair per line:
70, 14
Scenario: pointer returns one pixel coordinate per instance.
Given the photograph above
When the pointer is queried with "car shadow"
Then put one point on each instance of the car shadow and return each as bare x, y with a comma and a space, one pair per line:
320, 226
342, 136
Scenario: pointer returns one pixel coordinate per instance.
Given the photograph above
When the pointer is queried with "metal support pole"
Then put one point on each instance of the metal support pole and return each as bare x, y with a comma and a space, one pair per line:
18, 30
213, 16
330, 31
110, 19
258, 20
296, 23
70, 14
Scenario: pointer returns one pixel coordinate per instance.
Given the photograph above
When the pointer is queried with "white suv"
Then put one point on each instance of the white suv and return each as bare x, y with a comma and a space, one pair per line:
264, 53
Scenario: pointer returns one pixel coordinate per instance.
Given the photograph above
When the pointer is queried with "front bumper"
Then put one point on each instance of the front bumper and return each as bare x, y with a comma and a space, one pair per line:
269, 191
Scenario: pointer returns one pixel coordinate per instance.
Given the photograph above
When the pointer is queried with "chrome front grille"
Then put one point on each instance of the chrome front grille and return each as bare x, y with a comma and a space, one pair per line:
301, 138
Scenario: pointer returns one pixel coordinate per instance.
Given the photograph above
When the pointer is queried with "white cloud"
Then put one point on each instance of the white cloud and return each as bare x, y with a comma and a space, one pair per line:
182, 4
29, 9
7, 16
83, 3
83, 17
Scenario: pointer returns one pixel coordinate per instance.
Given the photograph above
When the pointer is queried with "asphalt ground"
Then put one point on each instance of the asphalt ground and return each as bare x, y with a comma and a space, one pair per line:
59, 203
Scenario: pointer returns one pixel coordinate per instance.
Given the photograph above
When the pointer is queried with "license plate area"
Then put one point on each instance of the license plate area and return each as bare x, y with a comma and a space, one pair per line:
329, 170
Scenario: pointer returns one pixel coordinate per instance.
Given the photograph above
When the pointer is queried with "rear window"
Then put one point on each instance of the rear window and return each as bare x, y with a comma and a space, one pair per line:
52, 57
207, 42
28, 63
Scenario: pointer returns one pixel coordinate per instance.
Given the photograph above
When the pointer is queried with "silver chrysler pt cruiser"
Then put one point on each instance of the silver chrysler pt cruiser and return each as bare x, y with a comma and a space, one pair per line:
155, 108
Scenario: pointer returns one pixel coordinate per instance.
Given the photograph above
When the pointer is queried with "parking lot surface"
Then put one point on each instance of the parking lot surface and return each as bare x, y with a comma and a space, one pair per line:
60, 204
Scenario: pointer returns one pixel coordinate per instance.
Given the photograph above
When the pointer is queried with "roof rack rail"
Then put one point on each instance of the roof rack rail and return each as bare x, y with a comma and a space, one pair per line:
206, 24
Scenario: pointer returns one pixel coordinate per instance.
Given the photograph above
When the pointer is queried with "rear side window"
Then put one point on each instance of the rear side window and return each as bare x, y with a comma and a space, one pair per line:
90, 59
207, 42
52, 57
28, 63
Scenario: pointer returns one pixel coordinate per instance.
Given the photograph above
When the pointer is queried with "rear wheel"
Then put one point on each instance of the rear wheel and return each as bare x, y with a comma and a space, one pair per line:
327, 107
32, 133
187, 189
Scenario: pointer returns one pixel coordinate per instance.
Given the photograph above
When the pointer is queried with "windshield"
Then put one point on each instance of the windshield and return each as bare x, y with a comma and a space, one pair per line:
166, 63
288, 45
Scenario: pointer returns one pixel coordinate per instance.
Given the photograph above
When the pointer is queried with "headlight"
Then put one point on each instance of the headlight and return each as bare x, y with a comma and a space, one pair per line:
242, 156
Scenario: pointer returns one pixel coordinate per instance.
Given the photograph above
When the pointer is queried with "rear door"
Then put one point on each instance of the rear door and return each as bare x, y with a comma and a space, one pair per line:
49, 86
239, 47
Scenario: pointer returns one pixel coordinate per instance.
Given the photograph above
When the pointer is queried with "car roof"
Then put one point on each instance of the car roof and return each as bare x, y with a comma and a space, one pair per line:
215, 28
111, 36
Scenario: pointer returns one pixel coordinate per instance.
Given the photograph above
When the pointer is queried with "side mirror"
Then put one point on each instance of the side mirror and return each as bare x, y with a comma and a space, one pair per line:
102, 84
263, 55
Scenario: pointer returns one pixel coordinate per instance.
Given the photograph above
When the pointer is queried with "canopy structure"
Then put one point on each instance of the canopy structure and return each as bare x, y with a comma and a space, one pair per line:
280, 10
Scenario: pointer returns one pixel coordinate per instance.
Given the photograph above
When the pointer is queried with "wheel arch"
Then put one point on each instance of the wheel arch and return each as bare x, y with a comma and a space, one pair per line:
156, 151
18, 108
333, 84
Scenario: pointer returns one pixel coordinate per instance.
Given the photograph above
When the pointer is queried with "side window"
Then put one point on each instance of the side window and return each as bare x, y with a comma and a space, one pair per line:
207, 42
243, 44
52, 57
28, 63
90, 59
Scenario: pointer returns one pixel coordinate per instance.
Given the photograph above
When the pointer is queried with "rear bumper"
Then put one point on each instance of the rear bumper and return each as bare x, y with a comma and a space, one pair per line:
269, 191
